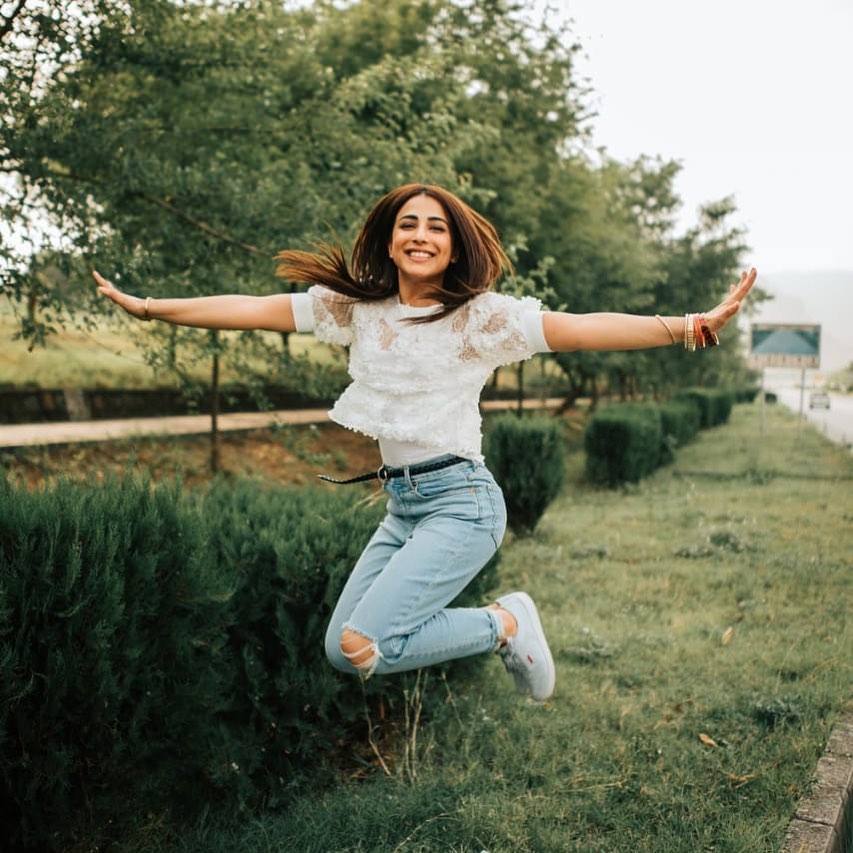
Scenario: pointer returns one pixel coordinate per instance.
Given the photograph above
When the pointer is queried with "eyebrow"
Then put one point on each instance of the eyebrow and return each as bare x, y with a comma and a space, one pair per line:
429, 218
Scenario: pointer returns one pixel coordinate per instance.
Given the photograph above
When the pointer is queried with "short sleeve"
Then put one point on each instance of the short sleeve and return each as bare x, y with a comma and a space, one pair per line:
501, 329
303, 312
327, 314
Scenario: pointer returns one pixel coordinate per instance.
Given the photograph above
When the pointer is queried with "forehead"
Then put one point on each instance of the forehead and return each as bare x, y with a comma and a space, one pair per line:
422, 207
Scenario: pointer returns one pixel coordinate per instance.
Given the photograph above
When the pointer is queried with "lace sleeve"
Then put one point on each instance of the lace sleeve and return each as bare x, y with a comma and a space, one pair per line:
501, 329
332, 315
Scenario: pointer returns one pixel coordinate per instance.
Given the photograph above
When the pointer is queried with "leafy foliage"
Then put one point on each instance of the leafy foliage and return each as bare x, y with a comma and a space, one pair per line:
526, 456
623, 443
181, 145
713, 404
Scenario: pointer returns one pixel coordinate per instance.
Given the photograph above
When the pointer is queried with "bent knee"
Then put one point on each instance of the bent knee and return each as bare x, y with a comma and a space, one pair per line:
333, 652
360, 651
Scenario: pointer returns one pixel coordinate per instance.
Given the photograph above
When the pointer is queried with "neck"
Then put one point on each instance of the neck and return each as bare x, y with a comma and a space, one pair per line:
417, 294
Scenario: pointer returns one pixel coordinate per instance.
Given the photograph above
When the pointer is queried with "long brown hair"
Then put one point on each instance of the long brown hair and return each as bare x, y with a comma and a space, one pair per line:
371, 274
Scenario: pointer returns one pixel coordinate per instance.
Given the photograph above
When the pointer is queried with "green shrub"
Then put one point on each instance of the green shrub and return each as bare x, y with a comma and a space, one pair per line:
111, 660
745, 393
289, 552
162, 652
526, 455
679, 425
714, 404
623, 443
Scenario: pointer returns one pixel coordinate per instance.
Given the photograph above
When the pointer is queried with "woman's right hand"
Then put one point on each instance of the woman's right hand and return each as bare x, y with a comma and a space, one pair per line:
132, 304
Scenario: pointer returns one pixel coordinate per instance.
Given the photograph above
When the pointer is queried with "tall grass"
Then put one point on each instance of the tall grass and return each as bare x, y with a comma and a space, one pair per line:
699, 623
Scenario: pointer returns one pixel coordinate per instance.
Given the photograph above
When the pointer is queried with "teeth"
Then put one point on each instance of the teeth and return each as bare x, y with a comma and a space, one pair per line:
420, 255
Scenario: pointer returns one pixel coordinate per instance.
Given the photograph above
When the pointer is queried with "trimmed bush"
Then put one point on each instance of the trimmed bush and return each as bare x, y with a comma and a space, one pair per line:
112, 660
745, 393
526, 455
714, 404
679, 425
623, 443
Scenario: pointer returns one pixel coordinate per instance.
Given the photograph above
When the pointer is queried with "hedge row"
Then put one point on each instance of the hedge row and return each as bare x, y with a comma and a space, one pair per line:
627, 441
162, 651
527, 458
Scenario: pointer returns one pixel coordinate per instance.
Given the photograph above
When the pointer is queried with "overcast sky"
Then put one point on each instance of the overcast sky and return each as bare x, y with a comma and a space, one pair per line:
753, 97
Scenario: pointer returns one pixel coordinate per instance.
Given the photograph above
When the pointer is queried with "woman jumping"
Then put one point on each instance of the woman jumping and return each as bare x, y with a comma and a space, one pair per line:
416, 308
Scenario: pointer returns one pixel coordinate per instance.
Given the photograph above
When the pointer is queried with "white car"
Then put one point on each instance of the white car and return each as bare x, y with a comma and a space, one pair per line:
819, 400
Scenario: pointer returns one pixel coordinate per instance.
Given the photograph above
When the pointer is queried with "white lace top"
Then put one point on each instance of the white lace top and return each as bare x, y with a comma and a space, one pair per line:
419, 384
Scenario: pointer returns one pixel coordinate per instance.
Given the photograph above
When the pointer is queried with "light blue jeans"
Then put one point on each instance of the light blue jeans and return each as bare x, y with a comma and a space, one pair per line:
441, 529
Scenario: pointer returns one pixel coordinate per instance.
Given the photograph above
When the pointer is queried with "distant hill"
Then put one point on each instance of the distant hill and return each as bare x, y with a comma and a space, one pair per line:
822, 298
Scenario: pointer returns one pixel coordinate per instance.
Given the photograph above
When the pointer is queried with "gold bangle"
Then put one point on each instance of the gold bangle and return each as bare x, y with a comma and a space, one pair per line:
666, 326
147, 316
689, 333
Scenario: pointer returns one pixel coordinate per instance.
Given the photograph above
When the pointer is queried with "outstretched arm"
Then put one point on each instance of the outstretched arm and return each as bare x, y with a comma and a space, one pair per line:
271, 313
565, 332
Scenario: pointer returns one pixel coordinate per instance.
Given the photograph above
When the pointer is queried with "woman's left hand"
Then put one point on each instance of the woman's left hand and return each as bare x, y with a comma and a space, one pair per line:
719, 316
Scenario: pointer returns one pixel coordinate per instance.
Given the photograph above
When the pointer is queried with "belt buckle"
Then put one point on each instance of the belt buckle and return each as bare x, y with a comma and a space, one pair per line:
382, 474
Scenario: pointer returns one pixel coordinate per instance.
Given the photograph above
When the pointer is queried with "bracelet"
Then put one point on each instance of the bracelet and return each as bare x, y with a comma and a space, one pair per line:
666, 326
697, 333
146, 315
709, 338
698, 337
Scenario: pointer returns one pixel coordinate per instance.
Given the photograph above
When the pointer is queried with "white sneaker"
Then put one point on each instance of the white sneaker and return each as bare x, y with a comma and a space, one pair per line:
526, 655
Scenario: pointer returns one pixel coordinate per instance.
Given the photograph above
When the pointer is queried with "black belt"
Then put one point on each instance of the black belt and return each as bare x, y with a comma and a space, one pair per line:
385, 473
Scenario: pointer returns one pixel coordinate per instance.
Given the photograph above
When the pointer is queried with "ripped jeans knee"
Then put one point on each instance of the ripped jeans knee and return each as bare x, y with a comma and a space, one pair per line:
362, 652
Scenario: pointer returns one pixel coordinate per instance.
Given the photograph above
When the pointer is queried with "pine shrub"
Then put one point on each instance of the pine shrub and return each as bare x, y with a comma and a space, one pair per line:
288, 552
526, 456
162, 653
623, 443
111, 652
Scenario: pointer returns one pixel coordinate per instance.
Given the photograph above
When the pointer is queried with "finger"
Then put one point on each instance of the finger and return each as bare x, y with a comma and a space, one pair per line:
104, 286
746, 282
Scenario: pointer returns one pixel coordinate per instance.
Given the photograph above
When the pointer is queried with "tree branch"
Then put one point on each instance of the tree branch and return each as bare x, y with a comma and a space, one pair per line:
201, 226
169, 208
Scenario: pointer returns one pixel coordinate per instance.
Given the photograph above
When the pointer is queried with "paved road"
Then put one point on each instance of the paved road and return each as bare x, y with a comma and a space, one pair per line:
73, 432
836, 422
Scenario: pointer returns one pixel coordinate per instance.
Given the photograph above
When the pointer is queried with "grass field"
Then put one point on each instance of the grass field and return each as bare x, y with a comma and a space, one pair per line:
700, 626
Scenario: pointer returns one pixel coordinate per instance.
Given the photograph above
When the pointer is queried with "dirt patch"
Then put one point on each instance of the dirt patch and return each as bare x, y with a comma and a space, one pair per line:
285, 455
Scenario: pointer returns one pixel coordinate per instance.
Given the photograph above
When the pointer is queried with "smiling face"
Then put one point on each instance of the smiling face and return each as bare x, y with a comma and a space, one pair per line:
421, 244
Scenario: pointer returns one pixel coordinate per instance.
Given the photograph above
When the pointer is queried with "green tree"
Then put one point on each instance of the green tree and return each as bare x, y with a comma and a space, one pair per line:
181, 145
184, 145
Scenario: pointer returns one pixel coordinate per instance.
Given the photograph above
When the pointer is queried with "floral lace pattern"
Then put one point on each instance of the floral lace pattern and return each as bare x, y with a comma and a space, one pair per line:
422, 381
332, 316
